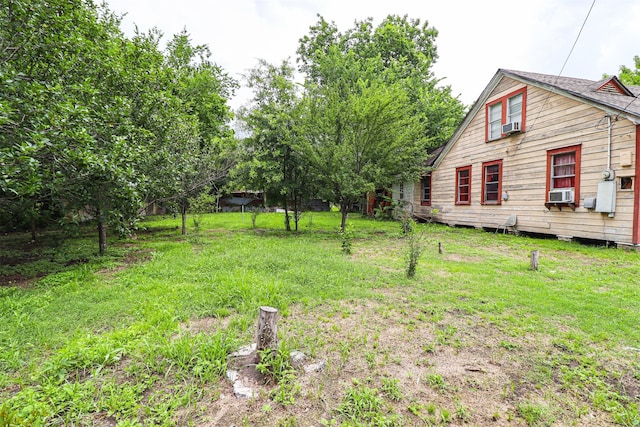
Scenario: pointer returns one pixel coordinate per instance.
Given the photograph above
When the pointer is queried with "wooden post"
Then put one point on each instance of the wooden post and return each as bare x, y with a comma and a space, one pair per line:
267, 336
534, 260
439, 247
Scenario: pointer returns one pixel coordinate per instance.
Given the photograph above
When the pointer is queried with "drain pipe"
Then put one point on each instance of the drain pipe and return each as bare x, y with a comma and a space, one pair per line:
609, 175
609, 142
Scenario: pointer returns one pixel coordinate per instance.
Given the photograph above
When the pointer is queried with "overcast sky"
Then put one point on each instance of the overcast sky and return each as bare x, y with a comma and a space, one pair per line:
476, 37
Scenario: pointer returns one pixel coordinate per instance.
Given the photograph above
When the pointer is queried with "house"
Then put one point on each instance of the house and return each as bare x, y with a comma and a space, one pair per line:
409, 194
557, 155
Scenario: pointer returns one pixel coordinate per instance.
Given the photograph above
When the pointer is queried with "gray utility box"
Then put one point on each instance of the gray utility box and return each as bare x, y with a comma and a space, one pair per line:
606, 197
589, 203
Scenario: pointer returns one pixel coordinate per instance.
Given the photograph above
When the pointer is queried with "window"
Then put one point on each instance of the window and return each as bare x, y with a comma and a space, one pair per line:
563, 170
495, 121
514, 109
425, 199
463, 185
507, 109
492, 182
401, 192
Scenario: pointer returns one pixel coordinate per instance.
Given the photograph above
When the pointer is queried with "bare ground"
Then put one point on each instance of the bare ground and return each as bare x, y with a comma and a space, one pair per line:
453, 367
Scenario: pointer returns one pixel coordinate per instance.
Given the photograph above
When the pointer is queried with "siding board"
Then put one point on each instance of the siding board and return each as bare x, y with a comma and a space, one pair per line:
553, 121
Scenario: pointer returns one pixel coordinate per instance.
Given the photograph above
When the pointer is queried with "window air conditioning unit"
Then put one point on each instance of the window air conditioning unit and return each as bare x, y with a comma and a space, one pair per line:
511, 128
561, 195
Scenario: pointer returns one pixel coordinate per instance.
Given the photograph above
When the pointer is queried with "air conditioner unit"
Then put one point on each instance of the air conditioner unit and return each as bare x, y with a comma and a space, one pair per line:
561, 195
511, 128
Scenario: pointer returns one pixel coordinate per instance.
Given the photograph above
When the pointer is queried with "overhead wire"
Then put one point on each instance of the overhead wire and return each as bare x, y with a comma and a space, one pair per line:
635, 97
575, 42
577, 38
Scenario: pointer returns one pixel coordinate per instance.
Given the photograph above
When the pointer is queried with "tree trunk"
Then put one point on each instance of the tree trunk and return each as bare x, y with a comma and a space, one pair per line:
34, 210
33, 229
344, 210
183, 214
287, 220
296, 211
102, 232
267, 335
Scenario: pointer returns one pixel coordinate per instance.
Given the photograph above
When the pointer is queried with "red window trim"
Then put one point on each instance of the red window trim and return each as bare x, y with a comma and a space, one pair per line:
424, 202
457, 192
636, 194
550, 154
484, 176
503, 101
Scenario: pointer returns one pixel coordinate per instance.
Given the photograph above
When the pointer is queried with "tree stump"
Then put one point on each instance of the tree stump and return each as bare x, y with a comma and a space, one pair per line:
534, 260
267, 335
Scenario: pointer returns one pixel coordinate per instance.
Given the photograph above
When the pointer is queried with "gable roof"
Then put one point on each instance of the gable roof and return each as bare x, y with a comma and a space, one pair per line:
614, 85
607, 94
588, 90
433, 155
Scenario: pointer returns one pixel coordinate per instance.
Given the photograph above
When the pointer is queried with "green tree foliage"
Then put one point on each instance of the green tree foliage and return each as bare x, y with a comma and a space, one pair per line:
91, 121
271, 160
204, 155
373, 106
61, 61
629, 76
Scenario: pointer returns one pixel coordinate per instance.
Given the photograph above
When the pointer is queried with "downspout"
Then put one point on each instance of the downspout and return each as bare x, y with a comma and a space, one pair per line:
609, 142
635, 239
609, 173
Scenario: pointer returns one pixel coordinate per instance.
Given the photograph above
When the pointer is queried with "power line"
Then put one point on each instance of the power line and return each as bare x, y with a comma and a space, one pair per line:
577, 38
563, 65
635, 97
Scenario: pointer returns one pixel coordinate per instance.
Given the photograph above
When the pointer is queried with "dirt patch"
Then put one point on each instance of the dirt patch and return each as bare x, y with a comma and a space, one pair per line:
205, 325
468, 370
134, 257
19, 280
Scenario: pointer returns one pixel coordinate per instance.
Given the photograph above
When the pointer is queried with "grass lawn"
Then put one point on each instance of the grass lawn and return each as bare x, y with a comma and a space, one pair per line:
144, 335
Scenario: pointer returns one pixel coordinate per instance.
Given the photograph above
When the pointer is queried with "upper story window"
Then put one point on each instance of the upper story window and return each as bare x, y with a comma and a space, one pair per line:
509, 109
491, 182
401, 192
495, 121
563, 175
514, 109
463, 185
425, 199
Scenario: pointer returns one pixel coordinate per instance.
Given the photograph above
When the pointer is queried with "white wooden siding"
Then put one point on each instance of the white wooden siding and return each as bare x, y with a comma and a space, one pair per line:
552, 121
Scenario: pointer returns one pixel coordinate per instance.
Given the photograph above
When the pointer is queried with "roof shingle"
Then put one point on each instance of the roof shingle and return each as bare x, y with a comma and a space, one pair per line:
583, 88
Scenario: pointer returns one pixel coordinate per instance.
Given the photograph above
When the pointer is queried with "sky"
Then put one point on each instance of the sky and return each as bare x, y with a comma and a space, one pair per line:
476, 37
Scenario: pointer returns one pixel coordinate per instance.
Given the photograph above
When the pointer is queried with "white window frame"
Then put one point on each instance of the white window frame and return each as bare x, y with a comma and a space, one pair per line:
493, 131
511, 116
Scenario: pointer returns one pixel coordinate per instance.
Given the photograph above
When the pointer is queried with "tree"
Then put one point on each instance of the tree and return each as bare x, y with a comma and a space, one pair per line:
204, 156
629, 76
360, 135
374, 106
63, 118
271, 161
92, 121
403, 45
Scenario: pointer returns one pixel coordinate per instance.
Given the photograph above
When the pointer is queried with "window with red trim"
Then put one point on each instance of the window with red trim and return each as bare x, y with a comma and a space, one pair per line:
425, 198
507, 109
463, 185
491, 182
563, 170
